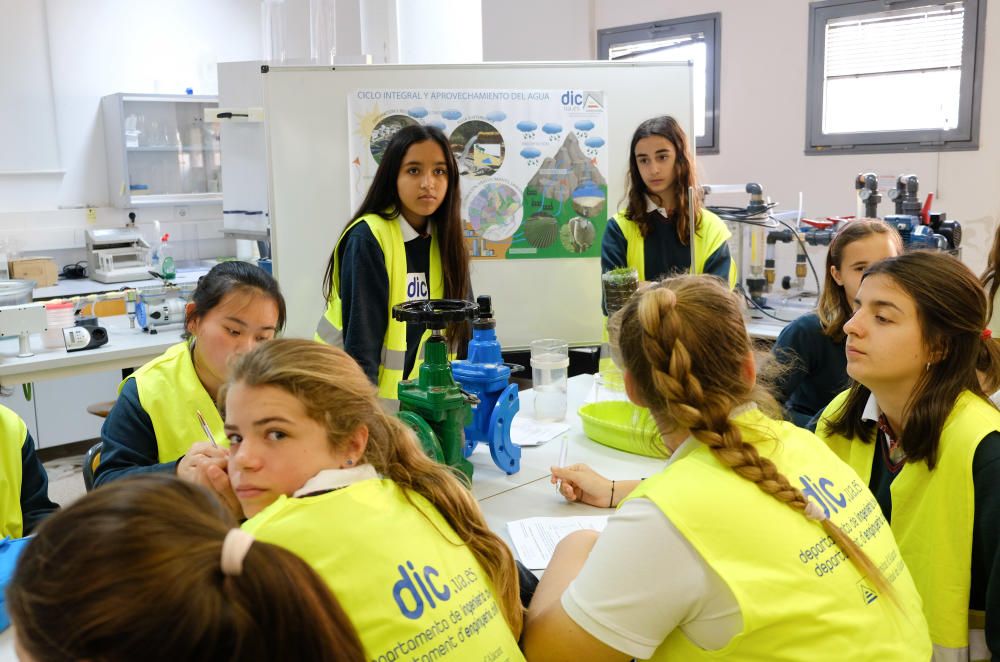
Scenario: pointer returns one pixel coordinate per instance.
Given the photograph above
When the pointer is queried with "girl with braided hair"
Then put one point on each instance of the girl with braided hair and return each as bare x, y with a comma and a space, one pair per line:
754, 542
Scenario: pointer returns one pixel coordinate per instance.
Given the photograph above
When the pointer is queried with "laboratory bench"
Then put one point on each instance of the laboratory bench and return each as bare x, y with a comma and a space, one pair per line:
82, 286
52, 389
63, 384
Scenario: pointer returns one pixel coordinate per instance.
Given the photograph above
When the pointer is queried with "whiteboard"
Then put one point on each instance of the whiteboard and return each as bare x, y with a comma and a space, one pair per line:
307, 136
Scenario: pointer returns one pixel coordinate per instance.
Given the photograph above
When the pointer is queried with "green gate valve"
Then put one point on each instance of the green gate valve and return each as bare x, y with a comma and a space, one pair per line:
433, 405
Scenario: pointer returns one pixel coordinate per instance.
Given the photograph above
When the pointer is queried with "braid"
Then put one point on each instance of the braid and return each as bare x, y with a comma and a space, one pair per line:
670, 386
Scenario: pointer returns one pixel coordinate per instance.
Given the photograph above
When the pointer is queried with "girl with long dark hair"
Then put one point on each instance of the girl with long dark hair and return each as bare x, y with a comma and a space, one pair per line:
404, 243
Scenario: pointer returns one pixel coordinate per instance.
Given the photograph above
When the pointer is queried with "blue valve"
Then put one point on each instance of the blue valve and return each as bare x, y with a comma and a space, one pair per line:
485, 375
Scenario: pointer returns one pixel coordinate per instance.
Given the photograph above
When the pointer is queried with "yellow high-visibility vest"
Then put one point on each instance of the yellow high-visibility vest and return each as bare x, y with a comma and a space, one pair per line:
171, 393
13, 433
411, 587
330, 329
932, 517
799, 596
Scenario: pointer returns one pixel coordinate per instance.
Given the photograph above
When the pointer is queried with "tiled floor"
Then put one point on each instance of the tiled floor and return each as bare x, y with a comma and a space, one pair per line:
65, 479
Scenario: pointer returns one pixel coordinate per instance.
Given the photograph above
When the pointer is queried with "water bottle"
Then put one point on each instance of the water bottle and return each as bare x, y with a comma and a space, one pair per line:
169, 271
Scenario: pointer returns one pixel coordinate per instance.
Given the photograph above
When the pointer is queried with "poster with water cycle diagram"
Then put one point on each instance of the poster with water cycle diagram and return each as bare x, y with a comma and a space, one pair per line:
533, 163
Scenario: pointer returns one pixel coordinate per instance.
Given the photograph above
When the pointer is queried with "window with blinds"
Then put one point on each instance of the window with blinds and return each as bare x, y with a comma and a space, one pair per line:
694, 39
894, 75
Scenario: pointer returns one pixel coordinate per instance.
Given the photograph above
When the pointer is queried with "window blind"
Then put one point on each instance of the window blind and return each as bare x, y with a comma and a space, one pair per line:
920, 39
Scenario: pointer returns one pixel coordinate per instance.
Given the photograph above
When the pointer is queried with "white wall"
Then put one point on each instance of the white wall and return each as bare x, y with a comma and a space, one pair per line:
101, 47
762, 111
543, 30
27, 121
439, 31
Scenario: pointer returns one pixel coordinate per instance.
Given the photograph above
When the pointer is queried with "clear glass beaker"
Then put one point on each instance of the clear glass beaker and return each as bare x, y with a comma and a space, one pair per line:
549, 374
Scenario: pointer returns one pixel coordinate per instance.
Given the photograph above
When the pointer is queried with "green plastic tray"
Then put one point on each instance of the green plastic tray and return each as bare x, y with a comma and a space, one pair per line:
622, 425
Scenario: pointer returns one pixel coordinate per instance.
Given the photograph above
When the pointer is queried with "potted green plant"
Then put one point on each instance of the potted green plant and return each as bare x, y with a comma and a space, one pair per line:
619, 284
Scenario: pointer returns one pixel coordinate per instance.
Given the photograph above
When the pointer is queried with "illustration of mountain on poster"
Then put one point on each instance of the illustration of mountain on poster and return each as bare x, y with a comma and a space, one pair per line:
533, 163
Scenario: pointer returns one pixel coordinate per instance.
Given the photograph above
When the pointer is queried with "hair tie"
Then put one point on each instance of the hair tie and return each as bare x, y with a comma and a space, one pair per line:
234, 550
814, 512
986, 334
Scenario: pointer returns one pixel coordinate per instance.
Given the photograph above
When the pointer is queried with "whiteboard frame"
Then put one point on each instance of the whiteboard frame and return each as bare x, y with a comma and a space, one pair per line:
309, 178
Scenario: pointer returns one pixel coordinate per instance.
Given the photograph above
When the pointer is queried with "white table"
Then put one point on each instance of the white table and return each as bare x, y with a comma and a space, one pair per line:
126, 348
529, 493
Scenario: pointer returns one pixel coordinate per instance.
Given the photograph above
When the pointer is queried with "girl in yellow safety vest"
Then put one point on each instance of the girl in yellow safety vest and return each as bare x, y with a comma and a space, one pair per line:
754, 543
811, 348
24, 485
154, 424
320, 469
152, 568
653, 234
405, 242
917, 427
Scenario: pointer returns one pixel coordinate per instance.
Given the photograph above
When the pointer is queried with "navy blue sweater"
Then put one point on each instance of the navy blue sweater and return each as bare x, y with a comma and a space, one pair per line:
364, 294
128, 440
665, 255
35, 503
815, 368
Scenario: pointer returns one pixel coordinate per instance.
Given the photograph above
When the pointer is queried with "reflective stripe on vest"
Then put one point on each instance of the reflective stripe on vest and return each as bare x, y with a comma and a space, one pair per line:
796, 590
171, 393
933, 515
402, 575
712, 233
330, 328
13, 433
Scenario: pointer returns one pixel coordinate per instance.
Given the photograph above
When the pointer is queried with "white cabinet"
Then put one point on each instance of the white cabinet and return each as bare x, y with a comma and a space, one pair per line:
61, 406
56, 412
160, 150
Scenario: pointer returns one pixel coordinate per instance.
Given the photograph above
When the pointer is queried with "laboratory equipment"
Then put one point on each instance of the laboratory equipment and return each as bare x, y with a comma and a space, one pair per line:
905, 195
433, 405
756, 215
917, 225
867, 185
157, 307
22, 321
79, 338
59, 315
115, 255
14, 292
486, 376
549, 375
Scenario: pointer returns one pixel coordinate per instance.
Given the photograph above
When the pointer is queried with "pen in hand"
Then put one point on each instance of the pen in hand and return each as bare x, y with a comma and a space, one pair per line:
562, 458
208, 431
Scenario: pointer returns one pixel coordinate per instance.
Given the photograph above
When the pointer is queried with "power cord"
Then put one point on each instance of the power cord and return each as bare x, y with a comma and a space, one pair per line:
753, 217
75, 271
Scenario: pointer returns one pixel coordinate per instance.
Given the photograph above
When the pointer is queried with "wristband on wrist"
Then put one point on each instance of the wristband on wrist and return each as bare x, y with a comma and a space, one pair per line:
611, 504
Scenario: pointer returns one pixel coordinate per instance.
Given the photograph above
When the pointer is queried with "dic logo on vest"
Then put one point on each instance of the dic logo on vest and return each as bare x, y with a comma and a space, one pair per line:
416, 287
405, 590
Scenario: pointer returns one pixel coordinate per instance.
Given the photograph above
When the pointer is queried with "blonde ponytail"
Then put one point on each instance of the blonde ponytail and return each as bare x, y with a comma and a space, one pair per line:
692, 381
